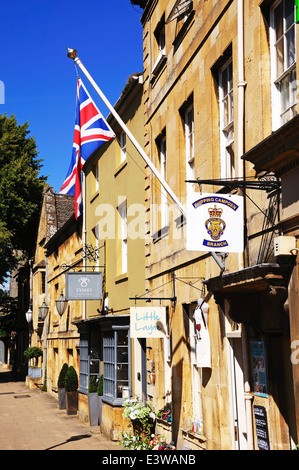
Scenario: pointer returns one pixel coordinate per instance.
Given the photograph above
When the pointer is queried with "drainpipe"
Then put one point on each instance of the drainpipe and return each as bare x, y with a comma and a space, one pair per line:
241, 174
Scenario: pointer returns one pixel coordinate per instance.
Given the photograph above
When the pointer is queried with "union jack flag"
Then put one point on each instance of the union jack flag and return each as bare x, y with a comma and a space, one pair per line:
91, 131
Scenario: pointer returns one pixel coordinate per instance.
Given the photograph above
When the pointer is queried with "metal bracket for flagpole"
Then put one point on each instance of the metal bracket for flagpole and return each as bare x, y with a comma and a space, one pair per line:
72, 54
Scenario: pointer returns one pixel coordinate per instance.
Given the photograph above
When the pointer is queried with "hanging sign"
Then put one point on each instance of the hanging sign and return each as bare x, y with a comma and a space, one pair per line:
203, 343
148, 322
83, 286
215, 223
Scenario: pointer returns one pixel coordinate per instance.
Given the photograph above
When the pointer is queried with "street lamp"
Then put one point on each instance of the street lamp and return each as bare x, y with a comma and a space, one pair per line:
61, 304
43, 310
29, 315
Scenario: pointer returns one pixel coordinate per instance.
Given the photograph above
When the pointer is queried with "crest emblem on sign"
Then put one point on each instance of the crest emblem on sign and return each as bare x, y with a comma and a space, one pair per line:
215, 226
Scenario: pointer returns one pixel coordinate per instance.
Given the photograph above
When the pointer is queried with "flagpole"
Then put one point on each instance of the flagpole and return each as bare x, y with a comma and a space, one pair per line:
72, 54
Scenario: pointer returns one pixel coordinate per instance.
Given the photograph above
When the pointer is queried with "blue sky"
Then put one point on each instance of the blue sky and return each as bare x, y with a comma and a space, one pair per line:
39, 78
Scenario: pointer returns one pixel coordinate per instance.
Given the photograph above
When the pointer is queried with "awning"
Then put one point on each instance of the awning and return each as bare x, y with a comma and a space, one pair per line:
256, 295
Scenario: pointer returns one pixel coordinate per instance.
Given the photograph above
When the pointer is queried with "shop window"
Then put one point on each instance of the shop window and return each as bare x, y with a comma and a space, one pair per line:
283, 62
116, 364
90, 358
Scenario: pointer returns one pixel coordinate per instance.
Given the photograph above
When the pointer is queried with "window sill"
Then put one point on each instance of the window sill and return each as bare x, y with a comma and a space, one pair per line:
121, 278
195, 438
120, 168
159, 64
94, 196
161, 233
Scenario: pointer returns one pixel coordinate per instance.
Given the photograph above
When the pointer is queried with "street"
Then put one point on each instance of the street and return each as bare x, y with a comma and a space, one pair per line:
31, 420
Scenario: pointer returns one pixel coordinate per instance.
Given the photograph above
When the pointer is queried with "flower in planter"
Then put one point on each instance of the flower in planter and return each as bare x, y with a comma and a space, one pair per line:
141, 415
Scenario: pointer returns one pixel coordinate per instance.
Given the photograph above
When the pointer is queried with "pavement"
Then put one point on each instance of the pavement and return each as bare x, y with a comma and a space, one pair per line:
31, 420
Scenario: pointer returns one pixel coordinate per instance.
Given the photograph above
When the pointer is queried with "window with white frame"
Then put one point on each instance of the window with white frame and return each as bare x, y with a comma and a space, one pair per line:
123, 147
283, 62
163, 167
95, 232
123, 229
188, 119
226, 108
159, 34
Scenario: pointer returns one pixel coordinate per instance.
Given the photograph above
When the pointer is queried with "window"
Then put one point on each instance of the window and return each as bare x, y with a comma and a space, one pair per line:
95, 172
226, 105
162, 159
43, 283
283, 62
122, 210
123, 149
187, 115
116, 363
90, 358
159, 34
95, 232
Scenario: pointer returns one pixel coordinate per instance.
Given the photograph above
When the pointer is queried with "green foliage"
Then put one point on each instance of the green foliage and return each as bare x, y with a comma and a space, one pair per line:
71, 380
141, 415
62, 374
92, 388
44, 387
21, 190
100, 385
33, 352
8, 318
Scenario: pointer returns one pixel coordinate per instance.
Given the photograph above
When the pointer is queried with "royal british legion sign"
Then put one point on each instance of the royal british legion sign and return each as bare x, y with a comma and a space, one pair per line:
215, 223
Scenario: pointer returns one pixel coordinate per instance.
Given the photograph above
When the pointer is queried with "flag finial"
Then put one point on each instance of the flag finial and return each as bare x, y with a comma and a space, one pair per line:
71, 53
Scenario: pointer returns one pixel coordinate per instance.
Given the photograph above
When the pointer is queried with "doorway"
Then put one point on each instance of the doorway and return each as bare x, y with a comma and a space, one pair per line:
237, 392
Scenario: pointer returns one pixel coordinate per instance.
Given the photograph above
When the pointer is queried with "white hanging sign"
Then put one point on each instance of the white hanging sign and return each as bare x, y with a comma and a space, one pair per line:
203, 343
147, 322
215, 223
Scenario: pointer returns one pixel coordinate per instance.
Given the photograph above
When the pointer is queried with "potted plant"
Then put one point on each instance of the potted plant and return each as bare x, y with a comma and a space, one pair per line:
71, 384
93, 402
100, 395
34, 353
61, 387
141, 415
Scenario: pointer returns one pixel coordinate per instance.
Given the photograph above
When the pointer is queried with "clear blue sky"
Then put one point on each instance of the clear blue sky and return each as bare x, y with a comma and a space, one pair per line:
39, 78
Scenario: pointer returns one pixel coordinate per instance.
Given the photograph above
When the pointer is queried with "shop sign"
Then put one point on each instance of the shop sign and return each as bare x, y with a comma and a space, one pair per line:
215, 223
261, 426
148, 322
83, 286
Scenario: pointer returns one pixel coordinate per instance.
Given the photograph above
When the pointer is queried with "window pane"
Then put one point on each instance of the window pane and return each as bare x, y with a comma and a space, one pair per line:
278, 20
290, 38
284, 93
279, 58
289, 13
293, 85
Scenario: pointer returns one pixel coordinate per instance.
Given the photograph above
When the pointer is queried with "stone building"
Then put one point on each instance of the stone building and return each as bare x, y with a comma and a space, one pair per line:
58, 248
220, 105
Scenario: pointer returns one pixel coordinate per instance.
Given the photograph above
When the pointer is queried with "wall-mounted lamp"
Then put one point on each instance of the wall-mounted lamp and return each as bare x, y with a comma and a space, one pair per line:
43, 310
61, 304
29, 315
